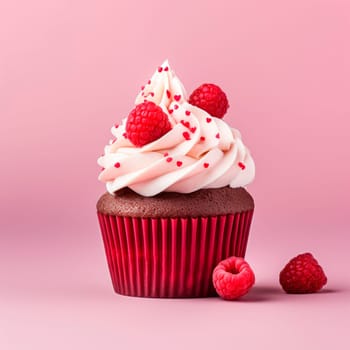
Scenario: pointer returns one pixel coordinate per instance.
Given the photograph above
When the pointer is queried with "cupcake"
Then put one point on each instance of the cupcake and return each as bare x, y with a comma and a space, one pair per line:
176, 202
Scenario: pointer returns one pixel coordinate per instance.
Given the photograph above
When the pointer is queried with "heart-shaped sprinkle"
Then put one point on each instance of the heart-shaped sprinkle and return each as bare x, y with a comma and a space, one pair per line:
176, 106
193, 130
241, 165
202, 138
185, 124
186, 135
187, 112
169, 159
208, 120
177, 97
160, 69
179, 163
117, 165
165, 154
149, 82
166, 69
170, 111
206, 165
217, 135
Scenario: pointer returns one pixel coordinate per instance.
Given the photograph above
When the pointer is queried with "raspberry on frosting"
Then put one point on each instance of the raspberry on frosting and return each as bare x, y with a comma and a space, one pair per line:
146, 123
210, 98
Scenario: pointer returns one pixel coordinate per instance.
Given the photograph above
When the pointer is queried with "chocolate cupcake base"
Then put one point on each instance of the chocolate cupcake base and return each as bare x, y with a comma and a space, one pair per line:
156, 247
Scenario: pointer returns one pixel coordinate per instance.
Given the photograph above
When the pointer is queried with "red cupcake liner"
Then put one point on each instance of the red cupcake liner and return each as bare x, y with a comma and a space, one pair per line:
170, 257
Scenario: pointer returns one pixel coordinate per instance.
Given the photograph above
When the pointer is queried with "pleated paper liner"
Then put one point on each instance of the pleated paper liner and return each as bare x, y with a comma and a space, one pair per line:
171, 257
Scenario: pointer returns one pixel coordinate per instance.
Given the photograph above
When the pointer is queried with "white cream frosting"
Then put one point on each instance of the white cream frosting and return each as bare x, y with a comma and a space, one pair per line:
200, 151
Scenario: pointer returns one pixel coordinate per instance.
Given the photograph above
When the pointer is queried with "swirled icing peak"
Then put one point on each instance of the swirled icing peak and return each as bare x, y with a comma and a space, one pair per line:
199, 151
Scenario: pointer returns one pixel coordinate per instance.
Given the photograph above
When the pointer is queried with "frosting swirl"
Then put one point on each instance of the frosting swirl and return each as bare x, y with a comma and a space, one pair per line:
200, 151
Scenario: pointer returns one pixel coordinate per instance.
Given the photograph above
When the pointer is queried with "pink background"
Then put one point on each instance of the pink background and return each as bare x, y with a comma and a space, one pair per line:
70, 69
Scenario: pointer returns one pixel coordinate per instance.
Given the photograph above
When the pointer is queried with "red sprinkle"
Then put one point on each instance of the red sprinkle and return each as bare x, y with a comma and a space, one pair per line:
202, 138
124, 134
170, 111
149, 82
151, 93
142, 87
165, 154
114, 140
186, 135
177, 97
193, 130
187, 112
169, 159
217, 135
206, 165
241, 165
166, 69
185, 124
208, 120
176, 106
168, 93
179, 163
117, 165
116, 126
160, 69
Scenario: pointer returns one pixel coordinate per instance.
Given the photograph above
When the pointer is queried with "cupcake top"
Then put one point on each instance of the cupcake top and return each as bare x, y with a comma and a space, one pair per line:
170, 143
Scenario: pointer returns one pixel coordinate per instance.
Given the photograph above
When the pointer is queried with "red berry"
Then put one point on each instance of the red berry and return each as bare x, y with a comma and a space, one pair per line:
302, 274
210, 98
233, 277
146, 123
